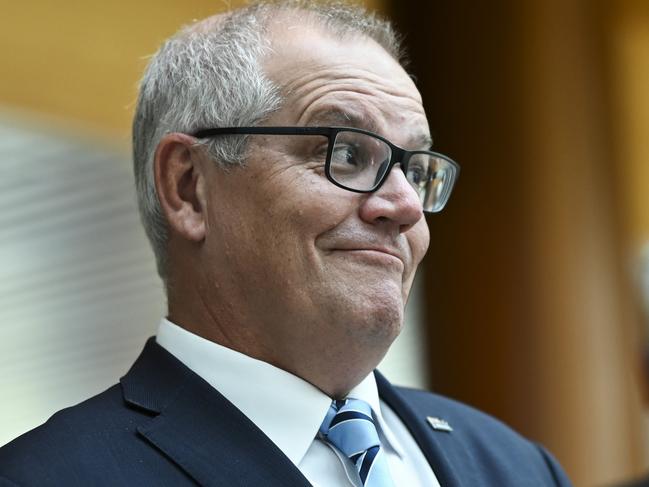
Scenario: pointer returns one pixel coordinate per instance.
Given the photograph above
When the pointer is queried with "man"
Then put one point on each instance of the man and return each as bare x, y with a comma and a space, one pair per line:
287, 223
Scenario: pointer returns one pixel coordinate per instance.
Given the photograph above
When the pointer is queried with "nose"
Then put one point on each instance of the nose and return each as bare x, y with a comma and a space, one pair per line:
396, 201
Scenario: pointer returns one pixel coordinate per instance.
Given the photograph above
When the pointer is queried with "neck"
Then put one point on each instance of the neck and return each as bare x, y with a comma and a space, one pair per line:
312, 350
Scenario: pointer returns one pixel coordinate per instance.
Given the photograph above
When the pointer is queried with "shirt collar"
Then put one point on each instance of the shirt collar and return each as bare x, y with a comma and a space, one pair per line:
285, 407
368, 392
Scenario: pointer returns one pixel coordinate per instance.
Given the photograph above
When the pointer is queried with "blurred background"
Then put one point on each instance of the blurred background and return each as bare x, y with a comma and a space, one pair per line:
533, 301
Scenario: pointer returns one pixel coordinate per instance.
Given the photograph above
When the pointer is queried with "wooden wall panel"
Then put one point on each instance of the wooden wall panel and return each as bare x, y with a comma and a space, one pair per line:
527, 291
629, 54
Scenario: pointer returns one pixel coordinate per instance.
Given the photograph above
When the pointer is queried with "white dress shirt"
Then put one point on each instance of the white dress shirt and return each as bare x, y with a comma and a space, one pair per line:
289, 411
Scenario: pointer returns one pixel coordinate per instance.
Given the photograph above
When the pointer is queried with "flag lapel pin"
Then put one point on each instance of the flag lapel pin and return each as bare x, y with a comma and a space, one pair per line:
439, 424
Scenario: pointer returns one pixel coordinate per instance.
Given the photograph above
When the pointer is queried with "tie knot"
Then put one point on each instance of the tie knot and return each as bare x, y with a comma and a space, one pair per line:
349, 427
350, 413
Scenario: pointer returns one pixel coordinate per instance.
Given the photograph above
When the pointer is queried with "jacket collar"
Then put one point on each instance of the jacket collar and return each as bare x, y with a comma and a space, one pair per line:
211, 440
446, 452
200, 430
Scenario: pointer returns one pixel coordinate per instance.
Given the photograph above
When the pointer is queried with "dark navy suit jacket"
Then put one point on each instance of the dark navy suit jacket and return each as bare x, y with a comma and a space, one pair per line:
164, 425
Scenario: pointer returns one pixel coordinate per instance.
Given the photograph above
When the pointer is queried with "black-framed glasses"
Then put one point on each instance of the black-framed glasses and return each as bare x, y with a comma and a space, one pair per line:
360, 161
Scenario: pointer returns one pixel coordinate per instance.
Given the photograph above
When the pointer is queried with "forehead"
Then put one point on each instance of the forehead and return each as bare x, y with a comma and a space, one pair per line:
319, 74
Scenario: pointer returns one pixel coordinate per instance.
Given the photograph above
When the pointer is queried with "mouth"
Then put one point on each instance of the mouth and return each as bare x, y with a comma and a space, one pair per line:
374, 255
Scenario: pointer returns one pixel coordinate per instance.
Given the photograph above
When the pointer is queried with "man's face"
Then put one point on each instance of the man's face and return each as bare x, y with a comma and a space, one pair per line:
316, 268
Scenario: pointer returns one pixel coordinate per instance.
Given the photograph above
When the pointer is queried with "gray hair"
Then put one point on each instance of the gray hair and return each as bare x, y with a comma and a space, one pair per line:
209, 75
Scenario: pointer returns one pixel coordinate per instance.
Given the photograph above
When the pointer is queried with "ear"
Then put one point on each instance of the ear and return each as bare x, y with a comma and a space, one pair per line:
179, 182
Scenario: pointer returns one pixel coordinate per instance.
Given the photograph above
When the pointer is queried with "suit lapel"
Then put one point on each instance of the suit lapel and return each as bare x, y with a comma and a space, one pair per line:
200, 430
445, 452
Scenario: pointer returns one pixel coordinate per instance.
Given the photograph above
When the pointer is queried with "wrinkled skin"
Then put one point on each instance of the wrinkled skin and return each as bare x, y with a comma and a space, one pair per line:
282, 265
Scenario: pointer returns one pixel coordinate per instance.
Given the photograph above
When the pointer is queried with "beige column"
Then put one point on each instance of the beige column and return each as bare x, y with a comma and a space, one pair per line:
82, 60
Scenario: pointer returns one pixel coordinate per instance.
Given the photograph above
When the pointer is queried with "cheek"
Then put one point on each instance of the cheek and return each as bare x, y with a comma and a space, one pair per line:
314, 205
419, 238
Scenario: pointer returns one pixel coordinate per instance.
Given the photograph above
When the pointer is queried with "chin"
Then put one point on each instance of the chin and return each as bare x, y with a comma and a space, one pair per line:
387, 326
377, 321
364, 310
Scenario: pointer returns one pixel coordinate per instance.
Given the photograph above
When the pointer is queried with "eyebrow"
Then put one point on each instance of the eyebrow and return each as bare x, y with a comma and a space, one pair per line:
342, 118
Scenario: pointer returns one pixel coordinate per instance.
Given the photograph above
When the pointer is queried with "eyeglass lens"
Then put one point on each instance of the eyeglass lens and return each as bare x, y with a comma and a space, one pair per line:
360, 161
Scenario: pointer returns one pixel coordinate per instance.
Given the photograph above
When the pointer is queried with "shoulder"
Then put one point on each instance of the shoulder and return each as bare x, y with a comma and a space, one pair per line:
82, 441
481, 442
79, 418
469, 419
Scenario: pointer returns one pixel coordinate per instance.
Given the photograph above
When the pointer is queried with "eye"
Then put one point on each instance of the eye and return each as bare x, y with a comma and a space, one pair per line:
346, 157
417, 172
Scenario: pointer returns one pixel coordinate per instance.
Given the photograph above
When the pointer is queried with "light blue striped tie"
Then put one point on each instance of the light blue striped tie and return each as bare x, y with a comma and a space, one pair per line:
350, 428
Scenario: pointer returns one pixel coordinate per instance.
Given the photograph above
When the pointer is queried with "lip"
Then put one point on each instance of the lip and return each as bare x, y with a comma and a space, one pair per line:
374, 252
